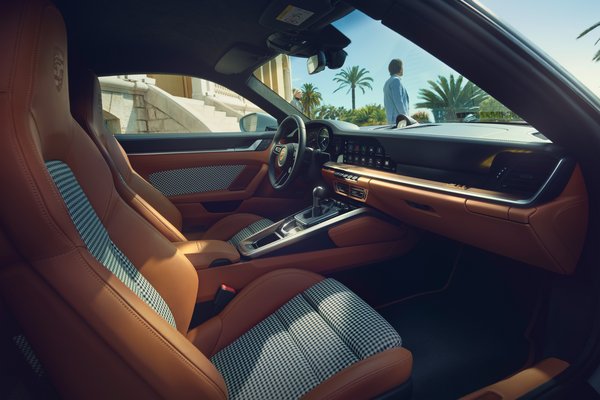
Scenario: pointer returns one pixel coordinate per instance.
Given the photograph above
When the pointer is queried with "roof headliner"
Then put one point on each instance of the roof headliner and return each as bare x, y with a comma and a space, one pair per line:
120, 36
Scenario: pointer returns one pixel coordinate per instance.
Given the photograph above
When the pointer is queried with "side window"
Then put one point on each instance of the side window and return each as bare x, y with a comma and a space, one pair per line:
155, 103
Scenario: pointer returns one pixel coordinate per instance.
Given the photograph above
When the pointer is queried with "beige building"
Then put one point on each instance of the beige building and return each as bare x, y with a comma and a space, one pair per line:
277, 74
174, 103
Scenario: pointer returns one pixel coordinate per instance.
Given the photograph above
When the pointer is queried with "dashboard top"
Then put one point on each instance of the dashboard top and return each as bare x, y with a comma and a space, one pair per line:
509, 164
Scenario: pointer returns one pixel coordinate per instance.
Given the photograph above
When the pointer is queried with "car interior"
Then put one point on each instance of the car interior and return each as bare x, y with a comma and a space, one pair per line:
313, 260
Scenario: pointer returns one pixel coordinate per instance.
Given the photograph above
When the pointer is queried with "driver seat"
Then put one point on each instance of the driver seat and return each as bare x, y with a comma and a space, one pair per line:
106, 301
149, 202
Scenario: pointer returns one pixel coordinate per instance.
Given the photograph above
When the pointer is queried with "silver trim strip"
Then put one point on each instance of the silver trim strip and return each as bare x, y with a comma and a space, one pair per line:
252, 147
293, 237
442, 187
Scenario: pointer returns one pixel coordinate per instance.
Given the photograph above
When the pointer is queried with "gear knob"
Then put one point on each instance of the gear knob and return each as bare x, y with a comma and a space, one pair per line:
318, 193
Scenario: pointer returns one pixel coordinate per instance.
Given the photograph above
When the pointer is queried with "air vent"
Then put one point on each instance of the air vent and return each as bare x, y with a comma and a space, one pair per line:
341, 188
358, 193
514, 181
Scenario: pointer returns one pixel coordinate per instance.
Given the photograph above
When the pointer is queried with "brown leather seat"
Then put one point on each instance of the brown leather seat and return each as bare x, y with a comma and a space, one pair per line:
105, 300
149, 202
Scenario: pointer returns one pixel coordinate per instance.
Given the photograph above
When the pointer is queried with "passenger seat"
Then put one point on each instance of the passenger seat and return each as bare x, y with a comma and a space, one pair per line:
149, 202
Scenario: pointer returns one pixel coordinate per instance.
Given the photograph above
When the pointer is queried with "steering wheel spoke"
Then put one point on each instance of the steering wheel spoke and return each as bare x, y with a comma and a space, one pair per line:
283, 177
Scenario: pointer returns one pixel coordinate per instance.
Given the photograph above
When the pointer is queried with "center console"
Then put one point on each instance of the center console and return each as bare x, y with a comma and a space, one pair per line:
324, 213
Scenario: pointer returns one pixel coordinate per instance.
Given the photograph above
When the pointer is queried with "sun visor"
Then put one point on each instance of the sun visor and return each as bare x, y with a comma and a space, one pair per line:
240, 58
307, 43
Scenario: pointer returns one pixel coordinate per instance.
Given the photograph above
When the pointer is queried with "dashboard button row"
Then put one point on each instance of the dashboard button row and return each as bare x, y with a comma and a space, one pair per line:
345, 175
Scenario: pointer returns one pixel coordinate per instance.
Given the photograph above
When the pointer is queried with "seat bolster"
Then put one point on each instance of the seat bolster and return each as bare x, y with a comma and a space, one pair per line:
368, 378
151, 195
163, 225
227, 227
86, 107
252, 305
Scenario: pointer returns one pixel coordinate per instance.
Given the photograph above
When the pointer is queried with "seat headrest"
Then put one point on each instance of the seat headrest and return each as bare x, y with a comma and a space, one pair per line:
33, 69
86, 99
36, 126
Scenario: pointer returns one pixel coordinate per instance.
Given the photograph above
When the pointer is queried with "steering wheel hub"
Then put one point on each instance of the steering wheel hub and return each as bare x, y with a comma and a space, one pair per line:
283, 156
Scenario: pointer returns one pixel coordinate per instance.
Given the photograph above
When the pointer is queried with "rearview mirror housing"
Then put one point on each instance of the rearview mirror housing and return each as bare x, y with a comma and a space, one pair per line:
336, 59
316, 63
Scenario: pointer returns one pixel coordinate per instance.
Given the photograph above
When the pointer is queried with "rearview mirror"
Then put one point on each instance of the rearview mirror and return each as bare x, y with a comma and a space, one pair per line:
258, 122
316, 63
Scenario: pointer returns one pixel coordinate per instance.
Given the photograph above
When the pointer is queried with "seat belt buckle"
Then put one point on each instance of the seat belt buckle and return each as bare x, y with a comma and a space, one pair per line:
224, 295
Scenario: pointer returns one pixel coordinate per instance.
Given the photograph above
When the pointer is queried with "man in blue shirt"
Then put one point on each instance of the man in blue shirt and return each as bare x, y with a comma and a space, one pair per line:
395, 97
297, 100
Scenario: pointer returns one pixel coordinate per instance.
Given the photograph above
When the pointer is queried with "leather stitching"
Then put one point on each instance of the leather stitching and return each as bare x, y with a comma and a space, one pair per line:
364, 377
107, 287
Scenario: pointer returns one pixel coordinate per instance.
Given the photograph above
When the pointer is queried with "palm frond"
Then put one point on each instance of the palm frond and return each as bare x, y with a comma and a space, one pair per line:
452, 94
588, 30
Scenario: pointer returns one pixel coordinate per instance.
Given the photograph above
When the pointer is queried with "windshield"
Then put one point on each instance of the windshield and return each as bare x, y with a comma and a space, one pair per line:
374, 87
568, 31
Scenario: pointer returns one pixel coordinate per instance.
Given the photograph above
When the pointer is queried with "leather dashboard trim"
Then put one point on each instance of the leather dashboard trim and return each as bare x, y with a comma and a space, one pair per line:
449, 188
550, 235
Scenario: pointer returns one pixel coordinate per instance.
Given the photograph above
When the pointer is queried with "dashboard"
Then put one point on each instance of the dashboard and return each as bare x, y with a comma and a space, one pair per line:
504, 188
520, 173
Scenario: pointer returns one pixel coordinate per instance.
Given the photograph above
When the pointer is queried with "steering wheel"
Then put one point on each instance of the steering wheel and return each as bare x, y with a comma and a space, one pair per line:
286, 158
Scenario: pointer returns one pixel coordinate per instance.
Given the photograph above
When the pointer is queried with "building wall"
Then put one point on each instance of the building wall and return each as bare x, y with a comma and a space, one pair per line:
276, 74
176, 85
126, 108
175, 103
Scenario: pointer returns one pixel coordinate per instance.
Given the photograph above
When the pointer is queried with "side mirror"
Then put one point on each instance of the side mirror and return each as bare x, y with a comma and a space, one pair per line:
258, 122
316, 63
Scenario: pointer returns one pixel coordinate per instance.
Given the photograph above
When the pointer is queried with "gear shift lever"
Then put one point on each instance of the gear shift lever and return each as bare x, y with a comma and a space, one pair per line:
318, 193
321, 210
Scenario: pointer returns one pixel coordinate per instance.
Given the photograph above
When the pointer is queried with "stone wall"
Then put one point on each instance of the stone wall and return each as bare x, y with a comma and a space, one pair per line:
127, 110
133, 104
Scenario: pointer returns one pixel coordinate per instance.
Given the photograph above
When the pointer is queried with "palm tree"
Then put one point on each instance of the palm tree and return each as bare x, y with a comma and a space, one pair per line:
311, 98
451, 97
588, 30
371, 114
330, 112
352, 78
421, 116
491, 110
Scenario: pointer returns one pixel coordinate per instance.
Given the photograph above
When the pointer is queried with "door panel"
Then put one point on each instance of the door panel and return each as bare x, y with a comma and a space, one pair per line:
227, 176
187, 142
210, 176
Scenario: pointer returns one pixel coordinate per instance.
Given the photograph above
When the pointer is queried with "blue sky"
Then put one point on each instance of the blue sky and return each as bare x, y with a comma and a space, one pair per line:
551, 25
